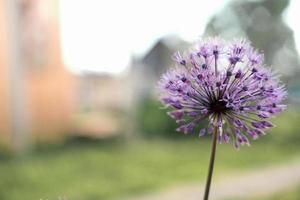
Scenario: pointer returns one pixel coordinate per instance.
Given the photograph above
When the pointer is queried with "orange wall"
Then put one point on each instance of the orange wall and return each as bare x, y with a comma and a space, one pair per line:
4, 102
50, 90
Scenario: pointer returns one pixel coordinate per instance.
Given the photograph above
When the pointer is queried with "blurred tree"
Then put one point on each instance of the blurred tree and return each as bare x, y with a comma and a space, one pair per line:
262, 22
152, 121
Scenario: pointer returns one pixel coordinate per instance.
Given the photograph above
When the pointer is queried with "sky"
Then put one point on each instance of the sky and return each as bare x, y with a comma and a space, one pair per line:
102, 36
292, 19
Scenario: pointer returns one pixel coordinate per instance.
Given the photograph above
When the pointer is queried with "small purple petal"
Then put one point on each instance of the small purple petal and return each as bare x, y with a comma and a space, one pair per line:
186, 128
258, 125
202, 132
178, 58
267, 124
253, 133
176, 114
193, 114
210, 130
226, 137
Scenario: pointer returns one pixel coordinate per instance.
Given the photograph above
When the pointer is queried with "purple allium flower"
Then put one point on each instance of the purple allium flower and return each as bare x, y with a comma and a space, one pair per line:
226, 84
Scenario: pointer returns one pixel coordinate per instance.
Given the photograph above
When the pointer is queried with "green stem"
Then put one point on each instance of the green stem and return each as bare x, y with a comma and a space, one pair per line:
211, 163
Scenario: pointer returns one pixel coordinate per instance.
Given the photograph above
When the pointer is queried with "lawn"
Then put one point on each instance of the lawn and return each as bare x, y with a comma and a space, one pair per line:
94, 170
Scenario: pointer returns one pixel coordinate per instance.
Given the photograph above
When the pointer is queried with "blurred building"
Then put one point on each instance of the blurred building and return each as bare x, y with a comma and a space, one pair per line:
102, 104
48, 90
38, 93
147, 69
4, 70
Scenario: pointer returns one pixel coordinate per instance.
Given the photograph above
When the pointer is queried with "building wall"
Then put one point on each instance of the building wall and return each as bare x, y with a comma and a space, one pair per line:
49, 88
4, 103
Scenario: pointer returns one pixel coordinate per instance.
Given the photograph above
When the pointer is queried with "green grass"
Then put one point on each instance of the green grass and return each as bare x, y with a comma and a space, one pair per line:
107, 170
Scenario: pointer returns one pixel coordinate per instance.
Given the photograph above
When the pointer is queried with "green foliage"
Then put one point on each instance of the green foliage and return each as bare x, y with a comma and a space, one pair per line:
152, 120
97, 169
286, 130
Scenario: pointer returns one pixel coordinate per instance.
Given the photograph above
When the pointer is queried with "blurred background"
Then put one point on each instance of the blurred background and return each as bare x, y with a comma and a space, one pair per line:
79, 112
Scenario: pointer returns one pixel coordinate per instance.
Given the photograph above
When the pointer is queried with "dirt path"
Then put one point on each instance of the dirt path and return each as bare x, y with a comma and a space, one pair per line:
259, 182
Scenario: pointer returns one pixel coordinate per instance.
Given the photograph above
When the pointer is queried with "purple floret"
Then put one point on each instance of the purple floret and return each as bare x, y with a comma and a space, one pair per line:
225, 83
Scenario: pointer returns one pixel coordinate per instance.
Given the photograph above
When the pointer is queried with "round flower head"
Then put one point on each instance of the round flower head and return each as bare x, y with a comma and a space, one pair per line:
225, 83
